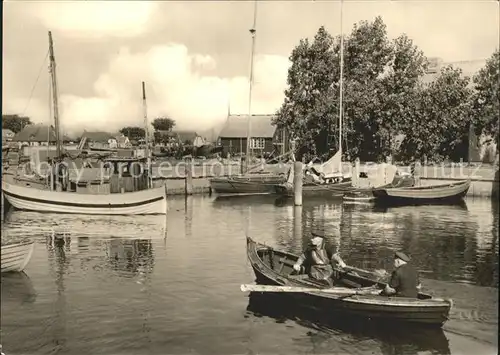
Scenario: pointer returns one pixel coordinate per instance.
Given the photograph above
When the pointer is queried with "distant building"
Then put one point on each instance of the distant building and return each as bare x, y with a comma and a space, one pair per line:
123, 142
38, 134
7, 135
182, 137
97, 139
265, 137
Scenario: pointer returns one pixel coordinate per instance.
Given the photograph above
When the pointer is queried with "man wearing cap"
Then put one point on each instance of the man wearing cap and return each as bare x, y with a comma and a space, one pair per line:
318, 261
404, 280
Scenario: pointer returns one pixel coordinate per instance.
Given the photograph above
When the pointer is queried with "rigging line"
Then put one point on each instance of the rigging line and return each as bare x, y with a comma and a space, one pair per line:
36, 82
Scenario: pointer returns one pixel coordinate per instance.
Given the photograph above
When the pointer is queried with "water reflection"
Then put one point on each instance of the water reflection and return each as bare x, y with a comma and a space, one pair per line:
328, 334
17, 288
251, 200
33, 223
131, 256
188, 218
57, 246
445, 242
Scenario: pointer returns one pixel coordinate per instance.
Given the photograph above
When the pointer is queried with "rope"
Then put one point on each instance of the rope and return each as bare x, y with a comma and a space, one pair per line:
36, 82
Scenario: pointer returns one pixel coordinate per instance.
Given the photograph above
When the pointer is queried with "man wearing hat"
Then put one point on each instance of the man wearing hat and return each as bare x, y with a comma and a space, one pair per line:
404, 280
318, 261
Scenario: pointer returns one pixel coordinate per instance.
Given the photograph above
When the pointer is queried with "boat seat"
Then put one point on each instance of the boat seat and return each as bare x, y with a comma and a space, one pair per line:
285, 261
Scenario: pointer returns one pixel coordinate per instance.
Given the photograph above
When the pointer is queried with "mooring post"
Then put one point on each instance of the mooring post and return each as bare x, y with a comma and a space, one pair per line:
189, 176
297, 183
417, 172
243, 165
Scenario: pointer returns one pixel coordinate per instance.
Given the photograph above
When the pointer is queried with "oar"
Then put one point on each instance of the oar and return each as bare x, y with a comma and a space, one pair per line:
332, 291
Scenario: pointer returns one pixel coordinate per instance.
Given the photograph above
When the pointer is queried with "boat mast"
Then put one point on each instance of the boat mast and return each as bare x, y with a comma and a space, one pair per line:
341, 81
52, 70
249, 136
146, 134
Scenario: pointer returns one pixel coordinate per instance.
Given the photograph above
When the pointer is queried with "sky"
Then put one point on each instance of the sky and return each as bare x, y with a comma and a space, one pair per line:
194, 56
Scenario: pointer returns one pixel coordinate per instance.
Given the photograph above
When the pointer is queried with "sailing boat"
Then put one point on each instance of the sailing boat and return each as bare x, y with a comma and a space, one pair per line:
250, 183
334, 183
128, 191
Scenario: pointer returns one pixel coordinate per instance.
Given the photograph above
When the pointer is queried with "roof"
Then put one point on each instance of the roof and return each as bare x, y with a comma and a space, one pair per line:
237, 125
122, 139
186, 135
37, 133
98, 137
182, 136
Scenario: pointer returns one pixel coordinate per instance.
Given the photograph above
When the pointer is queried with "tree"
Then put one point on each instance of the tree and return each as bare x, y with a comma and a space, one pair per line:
486, 98
163, 124
307, 112
311, 108
133, 133
15, 122
439, 122
401, 86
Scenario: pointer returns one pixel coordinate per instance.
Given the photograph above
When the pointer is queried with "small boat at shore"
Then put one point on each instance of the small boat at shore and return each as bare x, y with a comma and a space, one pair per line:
250, 184
318, 181
15, 256
274, 267
366, 194
450, 193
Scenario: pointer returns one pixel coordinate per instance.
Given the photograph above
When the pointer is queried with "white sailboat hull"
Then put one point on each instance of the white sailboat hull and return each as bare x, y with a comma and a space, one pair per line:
16, 256
150, 201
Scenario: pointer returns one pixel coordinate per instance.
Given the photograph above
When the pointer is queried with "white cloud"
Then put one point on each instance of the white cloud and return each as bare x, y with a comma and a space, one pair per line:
95, 18
178, 85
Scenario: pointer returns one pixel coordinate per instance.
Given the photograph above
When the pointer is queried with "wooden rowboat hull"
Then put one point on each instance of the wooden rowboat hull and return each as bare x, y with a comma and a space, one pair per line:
270, 270
16, 256
249, 185
150, 201
366, 194
452, 193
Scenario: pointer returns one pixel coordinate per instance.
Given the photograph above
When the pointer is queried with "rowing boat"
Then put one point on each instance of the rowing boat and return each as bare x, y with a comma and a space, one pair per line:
450, 193
274, 267
366, 194
250, 184
15, 256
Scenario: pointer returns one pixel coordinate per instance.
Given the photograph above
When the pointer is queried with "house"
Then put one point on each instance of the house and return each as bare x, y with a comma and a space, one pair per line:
7, 135
97, 139
123, 142
266, 137
38, 134
181, 137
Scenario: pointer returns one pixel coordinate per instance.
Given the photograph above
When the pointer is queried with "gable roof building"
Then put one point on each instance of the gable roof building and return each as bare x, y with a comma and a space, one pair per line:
97, 136
38, 133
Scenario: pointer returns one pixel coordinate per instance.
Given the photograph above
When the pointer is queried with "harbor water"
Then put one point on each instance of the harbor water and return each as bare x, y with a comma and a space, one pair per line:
171, 284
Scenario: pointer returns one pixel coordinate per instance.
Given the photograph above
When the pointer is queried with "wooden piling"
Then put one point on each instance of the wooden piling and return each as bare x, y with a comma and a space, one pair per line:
297, 183
189, 177
417, 173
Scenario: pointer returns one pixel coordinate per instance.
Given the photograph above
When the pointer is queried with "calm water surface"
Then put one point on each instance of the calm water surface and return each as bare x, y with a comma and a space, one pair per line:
170, 285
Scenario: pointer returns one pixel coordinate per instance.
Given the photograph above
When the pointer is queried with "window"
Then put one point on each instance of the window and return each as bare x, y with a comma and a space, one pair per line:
258, 143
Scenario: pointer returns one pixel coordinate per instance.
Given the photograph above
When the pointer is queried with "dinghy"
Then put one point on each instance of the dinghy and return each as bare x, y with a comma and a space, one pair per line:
352, 295
451, 193
15, 256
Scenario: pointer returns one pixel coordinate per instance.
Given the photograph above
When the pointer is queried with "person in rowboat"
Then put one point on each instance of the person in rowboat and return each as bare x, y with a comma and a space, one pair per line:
404, 280
318, 261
